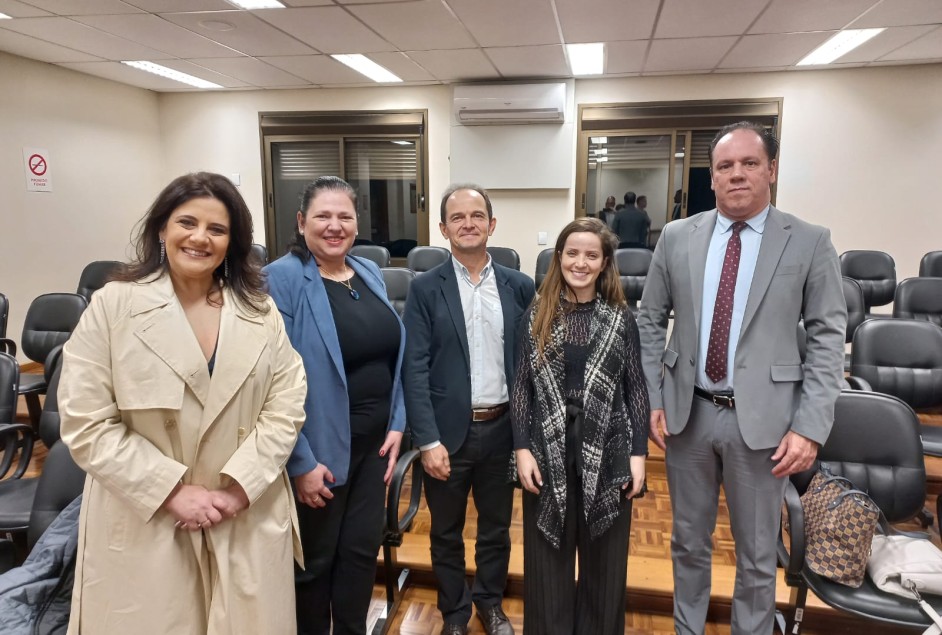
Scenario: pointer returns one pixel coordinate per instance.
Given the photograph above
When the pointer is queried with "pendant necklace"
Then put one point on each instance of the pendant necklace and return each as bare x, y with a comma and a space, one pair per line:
353, 292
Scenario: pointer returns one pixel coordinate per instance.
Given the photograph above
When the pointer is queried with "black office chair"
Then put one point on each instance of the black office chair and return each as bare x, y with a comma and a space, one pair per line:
931, 265
19, 439
542, 266
875, 444
376, 253
398, 280
633, 265
259, 253
4, 314
919, 299
856, 312
95, 275
13, 436
423, 258
50, 320
875, 271
505, 256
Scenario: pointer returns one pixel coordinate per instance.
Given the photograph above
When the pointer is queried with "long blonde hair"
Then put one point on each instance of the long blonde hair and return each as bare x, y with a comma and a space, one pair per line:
608, 284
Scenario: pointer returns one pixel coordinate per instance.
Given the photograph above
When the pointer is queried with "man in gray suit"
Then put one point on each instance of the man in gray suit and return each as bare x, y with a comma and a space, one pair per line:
732, 401
631, 224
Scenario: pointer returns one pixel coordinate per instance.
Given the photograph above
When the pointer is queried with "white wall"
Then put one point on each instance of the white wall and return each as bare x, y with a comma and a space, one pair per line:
104, 146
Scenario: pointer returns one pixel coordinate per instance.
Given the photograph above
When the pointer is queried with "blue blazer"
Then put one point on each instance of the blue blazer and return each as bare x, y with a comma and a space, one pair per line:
437, 366
299, 293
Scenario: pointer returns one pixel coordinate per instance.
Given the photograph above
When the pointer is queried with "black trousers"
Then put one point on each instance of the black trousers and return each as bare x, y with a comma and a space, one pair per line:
480, 466
554, 603
340, 544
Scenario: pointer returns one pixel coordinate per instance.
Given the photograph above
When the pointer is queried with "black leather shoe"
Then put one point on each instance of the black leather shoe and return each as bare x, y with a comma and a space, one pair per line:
454, 629
495, 621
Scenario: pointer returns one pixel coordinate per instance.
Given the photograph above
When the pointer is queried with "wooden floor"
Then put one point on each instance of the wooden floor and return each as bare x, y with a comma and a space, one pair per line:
649, 570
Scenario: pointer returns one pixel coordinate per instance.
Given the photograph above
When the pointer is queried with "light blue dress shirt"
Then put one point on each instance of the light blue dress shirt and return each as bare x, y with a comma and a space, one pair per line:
751, 238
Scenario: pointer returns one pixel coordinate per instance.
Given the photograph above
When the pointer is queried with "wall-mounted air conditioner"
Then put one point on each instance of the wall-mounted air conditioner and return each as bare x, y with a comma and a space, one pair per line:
490, 104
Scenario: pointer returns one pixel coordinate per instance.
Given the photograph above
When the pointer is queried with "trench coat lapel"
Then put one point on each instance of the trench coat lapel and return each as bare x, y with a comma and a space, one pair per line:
697, 248
774, 238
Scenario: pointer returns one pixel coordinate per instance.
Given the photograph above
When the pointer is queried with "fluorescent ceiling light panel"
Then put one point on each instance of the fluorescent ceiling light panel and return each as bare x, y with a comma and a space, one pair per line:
365, 66
599, 139
600, 150
601, 159
403, 143
586, 59
169, 73
842, 43
4, 16
257, 4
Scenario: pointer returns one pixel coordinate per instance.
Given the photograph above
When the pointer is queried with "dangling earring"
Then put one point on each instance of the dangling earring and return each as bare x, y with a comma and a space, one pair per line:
226, 267
163, 251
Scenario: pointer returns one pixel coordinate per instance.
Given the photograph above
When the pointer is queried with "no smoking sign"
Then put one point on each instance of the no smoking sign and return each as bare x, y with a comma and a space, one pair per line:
38, 175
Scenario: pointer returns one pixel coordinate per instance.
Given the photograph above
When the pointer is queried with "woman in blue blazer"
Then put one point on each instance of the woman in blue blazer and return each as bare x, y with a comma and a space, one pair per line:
351, 340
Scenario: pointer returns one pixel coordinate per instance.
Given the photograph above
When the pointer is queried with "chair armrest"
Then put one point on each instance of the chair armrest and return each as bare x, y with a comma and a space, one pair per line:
8, 346
792, 557
858, 383
7, 555
10, 437
396, 526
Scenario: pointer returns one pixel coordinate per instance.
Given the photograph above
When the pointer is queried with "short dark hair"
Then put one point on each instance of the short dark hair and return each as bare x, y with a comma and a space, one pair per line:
456, 187
298, 245
630, 198
244, 277
765, 134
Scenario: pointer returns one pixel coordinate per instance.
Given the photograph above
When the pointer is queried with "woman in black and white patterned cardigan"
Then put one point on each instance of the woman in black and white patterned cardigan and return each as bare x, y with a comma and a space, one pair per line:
580, 412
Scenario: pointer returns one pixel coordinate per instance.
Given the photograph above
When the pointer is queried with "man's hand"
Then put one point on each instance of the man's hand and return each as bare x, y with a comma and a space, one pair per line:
391, 448
435, 462
659, 428
528, 471
795, 454
312, 487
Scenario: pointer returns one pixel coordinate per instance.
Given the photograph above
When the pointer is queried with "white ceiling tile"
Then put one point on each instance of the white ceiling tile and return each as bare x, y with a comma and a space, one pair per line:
790, 16
251, 35
307, 3
173, 6
402, 66
777, 49
204, 73
697, 18
26, 46
119, 72
888, 41
761, 69
606, 20
702, 53
530, 61
157, 33
503, 23
83, 38
928, 46
317, 69
327, 29
625, 57
251, 70
85, 7
399, 24
455, 65
901, 13
16, 9
373, 1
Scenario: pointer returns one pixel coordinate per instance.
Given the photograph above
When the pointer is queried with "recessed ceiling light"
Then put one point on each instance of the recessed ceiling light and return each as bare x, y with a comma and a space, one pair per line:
257, 4
366, 66
4, 16
586, 59
842, 43
169, 73
216, 25
678, 155
599, 139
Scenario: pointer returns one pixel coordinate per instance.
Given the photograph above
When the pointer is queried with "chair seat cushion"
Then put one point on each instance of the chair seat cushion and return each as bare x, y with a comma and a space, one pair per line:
16, 502
32, 384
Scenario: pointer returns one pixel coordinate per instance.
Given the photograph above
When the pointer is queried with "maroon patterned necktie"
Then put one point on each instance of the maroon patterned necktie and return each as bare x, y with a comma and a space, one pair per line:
718, 351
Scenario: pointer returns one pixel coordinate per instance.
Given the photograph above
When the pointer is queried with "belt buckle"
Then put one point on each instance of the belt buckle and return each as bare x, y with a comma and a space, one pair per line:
727, 401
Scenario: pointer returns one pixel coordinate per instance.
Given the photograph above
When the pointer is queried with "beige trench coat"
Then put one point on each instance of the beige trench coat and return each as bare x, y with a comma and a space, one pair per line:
140, 413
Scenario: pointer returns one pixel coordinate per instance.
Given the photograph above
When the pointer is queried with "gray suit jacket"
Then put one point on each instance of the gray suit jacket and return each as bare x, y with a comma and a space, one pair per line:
797, 277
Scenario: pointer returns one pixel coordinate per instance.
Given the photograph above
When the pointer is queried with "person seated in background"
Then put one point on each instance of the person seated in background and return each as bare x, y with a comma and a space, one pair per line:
181, 398
631, 224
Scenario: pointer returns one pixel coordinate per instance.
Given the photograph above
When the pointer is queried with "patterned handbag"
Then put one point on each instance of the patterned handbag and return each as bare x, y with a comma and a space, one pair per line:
839, 525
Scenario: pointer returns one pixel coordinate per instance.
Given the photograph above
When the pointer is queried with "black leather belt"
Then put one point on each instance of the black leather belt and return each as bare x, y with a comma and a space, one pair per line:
489, 414
724, 399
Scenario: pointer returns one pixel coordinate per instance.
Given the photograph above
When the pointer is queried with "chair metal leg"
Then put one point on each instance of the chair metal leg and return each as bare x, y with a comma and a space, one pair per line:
395, 589
34, 408
925, 518
790, 622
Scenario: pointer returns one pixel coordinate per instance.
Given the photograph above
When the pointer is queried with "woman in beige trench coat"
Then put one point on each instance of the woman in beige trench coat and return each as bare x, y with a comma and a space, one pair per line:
182, 398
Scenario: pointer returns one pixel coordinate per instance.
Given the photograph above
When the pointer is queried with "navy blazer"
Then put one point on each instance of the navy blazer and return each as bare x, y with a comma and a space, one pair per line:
437, 367
299, 293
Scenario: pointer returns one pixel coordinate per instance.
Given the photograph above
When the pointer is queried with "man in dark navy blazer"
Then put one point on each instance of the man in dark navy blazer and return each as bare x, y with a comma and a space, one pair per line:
461, 320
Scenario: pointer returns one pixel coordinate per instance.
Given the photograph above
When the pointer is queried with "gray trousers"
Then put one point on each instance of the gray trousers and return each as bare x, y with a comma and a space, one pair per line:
711, 452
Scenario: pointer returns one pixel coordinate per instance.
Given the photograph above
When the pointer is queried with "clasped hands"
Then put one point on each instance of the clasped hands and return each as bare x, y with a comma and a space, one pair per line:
196, 508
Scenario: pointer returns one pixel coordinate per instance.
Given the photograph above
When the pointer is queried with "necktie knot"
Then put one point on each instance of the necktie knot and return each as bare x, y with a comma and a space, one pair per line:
738, 226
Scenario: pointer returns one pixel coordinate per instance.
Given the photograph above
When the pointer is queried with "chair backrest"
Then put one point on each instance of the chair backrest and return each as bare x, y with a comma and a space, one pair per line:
505, 256
633, 265
875, 271
259, 253
94, 276
900, 357
397, 281
542, 266
376, 253
875, 443
856, 309
50, 320
4, 314
929, 267
9, 386
49, 417
423, 258
919, 299
60, 482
